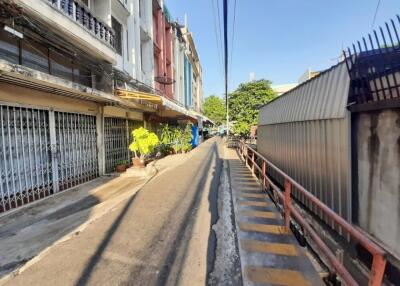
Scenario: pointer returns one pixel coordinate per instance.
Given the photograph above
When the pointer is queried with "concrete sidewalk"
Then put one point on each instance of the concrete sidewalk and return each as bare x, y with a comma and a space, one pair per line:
27, 233
269, 254
157, 236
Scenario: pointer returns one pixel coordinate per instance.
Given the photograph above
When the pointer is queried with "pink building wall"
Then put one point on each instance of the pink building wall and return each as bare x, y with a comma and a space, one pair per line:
163, 61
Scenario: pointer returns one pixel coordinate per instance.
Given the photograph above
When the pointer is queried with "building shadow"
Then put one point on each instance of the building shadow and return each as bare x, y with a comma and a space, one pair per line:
87, 271
38, 225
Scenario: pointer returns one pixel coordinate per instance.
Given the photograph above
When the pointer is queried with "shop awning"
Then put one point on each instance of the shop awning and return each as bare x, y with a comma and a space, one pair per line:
138, 95
174, 106
169, 107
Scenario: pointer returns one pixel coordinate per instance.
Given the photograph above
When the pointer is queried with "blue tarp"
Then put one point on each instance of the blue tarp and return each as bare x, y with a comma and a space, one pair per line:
195, 136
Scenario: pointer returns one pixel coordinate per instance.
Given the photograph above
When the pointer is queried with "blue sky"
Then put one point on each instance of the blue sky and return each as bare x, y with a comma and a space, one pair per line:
279, 39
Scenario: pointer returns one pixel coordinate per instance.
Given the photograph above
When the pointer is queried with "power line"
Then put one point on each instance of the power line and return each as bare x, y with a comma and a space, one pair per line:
217, 32
226, 55
219, 26
233, 33
376, 12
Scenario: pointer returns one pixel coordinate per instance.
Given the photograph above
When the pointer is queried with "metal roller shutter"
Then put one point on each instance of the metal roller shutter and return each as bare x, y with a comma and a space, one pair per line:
115, 142
76, 140
25, 156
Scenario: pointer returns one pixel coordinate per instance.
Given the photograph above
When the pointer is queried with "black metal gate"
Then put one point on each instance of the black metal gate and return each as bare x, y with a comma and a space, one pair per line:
117, 137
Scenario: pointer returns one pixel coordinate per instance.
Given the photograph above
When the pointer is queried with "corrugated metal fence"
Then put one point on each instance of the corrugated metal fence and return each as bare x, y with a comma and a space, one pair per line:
306, 133
316, 154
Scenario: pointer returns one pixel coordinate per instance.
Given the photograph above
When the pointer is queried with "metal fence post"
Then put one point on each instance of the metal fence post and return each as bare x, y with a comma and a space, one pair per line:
253, 162
287, 203
263, 174
377, 270
246, 157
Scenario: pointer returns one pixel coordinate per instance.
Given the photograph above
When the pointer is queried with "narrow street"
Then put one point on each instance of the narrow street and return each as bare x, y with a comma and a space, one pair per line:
160, 236
167, 142
204, 220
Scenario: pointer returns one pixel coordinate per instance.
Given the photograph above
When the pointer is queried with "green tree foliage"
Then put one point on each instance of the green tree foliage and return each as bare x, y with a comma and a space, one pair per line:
244, 104
214, 108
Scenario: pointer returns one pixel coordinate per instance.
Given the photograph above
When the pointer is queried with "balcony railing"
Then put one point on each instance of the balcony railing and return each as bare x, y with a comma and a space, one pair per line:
78, 12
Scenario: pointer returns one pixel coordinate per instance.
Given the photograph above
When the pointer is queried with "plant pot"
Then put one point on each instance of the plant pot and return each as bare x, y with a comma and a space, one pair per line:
138, 163
120, 168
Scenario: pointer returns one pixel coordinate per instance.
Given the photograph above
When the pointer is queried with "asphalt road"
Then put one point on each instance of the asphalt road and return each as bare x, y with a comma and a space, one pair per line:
160, 236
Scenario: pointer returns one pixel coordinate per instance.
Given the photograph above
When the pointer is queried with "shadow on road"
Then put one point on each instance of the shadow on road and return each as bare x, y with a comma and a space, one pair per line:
85, 274
39, 225
170, 243
181, 245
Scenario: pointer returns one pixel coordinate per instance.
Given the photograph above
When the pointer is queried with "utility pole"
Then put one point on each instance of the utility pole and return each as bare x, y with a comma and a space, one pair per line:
226, 62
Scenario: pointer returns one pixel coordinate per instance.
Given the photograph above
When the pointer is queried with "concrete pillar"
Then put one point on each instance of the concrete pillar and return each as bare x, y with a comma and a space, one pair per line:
101, 154
54, 150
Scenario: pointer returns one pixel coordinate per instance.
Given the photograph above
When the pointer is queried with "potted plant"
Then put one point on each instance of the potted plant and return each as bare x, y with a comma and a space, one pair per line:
142, 145
121, 166
187, 138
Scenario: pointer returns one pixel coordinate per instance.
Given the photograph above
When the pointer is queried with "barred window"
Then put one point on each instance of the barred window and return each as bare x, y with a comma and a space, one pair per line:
118, 35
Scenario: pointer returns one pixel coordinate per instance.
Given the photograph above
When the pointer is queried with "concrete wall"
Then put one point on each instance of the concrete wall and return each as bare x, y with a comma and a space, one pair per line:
27, 97
378, 158
145, 52
126, 19
196, 70
102, 8
179, 56
112, 111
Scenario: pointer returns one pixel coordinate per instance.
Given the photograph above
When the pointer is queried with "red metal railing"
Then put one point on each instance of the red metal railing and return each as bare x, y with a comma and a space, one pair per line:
379, 261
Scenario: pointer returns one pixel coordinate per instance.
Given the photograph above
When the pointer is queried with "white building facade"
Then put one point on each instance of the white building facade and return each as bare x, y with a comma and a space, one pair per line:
75, 78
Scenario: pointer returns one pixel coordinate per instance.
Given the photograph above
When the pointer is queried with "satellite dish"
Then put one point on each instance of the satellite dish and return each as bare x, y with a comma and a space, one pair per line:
164, 80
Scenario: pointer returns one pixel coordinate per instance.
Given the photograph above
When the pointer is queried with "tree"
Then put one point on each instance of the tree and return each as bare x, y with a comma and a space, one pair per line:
214, 108
245, 102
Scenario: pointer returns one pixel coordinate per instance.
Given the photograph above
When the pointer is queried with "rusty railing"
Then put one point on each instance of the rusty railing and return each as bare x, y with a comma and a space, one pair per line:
290, 212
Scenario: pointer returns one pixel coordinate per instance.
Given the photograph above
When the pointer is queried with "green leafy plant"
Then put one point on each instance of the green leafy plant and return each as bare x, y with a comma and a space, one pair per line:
177, 138
186, 138
164, 149
165, 134
143, 142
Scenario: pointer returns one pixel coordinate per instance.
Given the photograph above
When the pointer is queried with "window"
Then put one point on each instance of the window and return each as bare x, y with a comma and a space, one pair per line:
141, 7
61, 66
127, 45
35, 56
82, 75
118, 35
9, 47
142, 50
